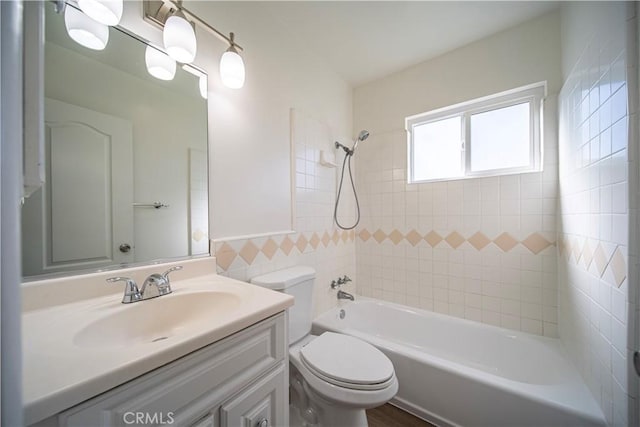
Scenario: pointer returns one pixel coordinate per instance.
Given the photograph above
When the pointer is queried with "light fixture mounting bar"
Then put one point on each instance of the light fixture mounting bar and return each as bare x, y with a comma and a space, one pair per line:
157, 12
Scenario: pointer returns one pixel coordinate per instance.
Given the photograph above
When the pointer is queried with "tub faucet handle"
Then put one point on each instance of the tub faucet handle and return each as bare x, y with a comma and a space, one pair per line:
346, 279
335, 284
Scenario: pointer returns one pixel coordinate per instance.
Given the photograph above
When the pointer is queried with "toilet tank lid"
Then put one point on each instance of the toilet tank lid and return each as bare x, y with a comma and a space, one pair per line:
283, 279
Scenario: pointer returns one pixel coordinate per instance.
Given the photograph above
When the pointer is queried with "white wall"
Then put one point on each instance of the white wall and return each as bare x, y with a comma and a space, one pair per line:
596, 289
513, 287
251, 129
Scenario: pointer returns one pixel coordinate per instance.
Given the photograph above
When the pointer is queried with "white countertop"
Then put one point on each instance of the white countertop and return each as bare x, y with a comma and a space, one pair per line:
59, 373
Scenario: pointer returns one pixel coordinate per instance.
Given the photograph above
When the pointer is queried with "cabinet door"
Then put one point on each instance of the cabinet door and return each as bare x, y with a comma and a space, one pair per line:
262, 404
208, 420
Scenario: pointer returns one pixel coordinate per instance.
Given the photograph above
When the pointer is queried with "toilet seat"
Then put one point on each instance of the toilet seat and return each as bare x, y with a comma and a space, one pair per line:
347, 362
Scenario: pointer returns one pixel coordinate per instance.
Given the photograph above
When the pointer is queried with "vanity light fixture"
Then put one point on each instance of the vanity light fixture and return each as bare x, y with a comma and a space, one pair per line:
201, 76
107, 12
161, 12
179, 38
232, 67
159, 64
85, 30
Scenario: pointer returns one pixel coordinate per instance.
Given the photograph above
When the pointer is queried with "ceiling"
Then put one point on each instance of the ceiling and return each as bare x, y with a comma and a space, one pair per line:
365, 40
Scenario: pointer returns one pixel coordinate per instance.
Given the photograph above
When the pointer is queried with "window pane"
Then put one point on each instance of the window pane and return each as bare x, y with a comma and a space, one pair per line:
437, 149
500, 138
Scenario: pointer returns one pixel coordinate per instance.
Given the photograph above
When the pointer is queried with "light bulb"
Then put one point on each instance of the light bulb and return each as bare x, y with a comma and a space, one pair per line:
202, 83
159, 64
232, 69
85, 30
179, 39
107, 12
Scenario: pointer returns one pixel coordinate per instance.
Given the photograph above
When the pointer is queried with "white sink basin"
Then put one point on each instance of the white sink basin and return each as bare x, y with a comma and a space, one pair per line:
157, 319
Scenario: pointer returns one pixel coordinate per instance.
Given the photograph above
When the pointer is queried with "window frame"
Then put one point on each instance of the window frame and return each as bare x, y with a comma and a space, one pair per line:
533, 94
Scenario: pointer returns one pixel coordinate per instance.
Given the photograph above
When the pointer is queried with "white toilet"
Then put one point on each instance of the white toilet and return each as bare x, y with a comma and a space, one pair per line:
333, 377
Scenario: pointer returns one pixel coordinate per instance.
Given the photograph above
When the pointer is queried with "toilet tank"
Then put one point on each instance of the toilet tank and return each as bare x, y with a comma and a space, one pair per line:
298, 282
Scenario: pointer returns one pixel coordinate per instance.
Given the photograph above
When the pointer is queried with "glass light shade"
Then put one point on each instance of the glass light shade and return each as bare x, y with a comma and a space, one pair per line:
159, 64
203, 86
232, 69
85, 30
179, 39
107, 12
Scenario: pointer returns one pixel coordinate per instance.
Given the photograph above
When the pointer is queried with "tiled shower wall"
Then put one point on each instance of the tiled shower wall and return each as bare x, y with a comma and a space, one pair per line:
595, 293
481, 249
317, 242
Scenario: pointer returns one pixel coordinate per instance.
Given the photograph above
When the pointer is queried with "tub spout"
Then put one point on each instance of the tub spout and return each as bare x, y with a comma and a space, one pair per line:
345, 295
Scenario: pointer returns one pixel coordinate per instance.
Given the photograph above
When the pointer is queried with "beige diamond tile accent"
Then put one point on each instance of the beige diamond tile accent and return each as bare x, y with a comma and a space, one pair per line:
568, 247
587, 255
395, 236
618, 267
433, 238
364, 235
345, 236
479, 240
326, 239
454, 239
335, 237
577, 251
413, 237
314, 241
198, 235
225, 256
536, 243
301, 244
505, 241
269, 248
286, 245
249, 252
379, 235
600, 258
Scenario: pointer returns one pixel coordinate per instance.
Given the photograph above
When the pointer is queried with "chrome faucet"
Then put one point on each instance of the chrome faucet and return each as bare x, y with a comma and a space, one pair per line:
336, 284
156, 285
345, 295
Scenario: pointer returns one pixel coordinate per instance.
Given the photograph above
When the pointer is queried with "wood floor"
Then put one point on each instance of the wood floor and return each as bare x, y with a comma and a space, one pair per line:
390, 416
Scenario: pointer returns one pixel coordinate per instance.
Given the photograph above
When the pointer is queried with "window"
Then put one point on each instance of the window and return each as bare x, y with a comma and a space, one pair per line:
494, 135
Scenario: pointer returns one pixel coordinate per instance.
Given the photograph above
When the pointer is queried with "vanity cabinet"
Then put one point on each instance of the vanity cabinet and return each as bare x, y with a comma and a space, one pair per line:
240, 381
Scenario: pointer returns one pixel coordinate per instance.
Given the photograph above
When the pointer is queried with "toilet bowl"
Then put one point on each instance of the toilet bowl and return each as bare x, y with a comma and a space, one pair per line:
333, 377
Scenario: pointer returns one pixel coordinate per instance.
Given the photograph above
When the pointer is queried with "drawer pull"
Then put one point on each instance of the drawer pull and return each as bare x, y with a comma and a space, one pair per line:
263, 423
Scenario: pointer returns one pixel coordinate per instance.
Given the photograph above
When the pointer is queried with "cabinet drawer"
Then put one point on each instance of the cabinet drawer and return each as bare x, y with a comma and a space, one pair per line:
184, 390
262, 404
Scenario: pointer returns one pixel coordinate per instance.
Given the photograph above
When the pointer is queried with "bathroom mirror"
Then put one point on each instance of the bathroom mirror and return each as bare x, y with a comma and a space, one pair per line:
125, 159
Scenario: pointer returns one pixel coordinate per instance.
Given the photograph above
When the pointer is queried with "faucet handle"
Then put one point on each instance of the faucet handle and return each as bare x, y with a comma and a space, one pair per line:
164, 285
131, 292
346, 279
171, 270
336, 285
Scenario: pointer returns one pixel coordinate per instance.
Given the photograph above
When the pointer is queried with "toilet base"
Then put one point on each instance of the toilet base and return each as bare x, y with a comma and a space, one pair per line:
309, 409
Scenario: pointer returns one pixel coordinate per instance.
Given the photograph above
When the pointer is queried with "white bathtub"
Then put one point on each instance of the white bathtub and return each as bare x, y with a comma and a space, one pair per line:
455, 372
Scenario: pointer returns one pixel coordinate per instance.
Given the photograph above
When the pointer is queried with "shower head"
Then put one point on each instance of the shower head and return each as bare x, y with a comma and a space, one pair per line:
364, 134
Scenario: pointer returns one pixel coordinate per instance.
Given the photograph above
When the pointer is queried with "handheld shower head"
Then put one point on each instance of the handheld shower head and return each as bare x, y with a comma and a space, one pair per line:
364, 134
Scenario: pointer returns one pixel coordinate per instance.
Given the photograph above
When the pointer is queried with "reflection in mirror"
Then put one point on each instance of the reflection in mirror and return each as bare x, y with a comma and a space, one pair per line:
126, 160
